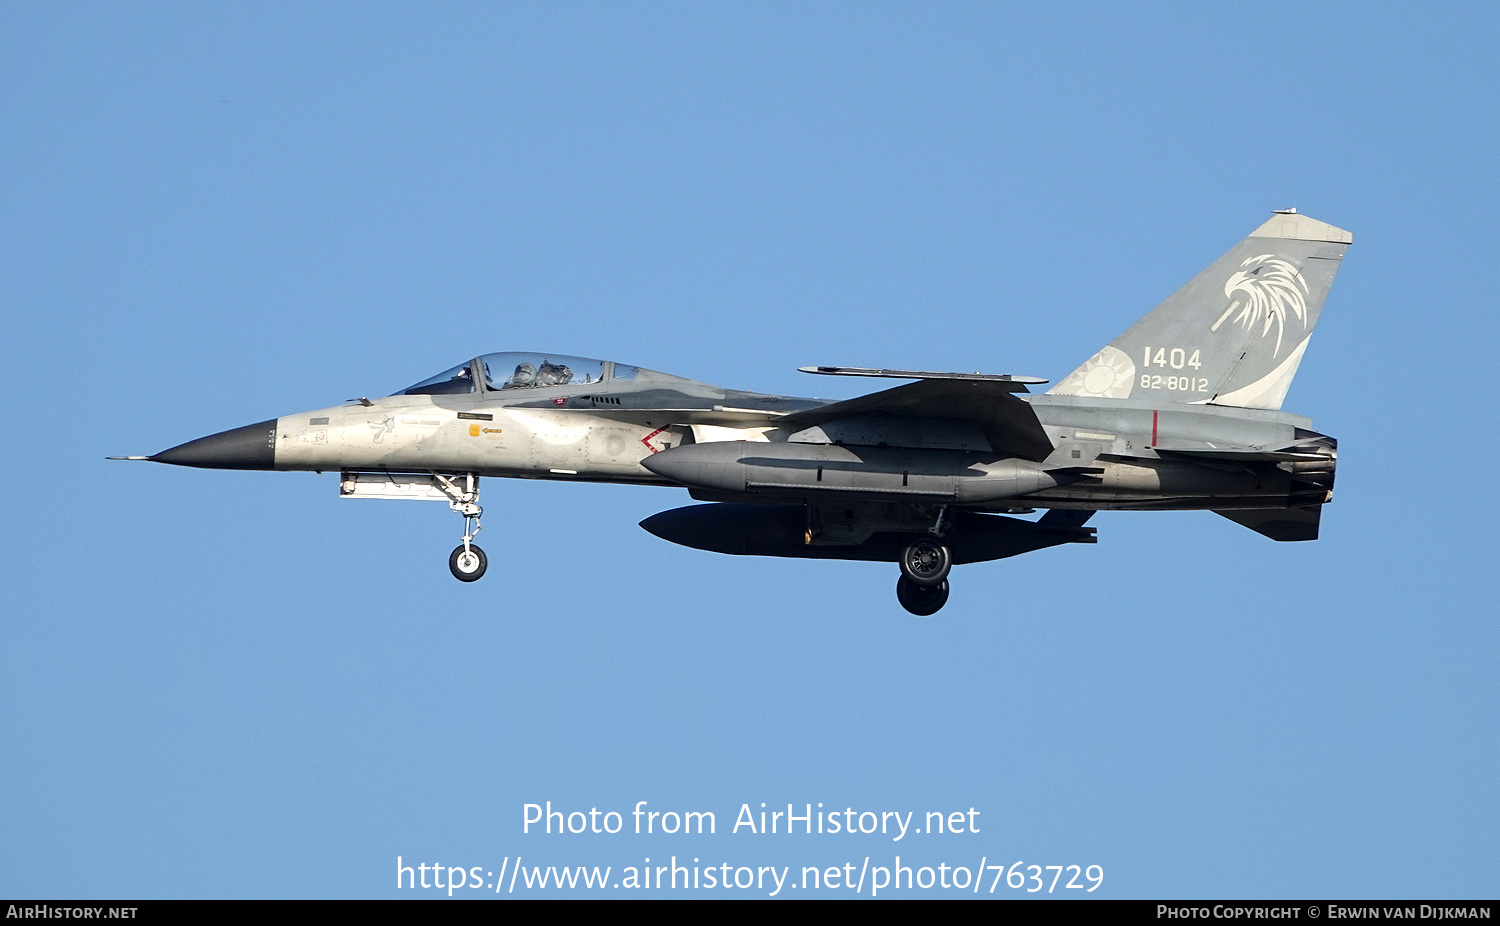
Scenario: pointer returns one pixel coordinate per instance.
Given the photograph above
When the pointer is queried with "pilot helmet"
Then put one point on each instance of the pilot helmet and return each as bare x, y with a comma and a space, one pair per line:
525, 375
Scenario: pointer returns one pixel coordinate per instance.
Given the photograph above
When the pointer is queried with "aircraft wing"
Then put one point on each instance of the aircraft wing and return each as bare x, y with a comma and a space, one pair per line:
1020, 382
1009, 423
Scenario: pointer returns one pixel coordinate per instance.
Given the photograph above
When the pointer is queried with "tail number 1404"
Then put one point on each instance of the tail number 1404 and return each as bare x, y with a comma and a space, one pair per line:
1175, 357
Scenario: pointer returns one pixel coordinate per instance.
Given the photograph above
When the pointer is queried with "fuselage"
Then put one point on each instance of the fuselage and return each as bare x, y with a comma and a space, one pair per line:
1118, 454
1181, 411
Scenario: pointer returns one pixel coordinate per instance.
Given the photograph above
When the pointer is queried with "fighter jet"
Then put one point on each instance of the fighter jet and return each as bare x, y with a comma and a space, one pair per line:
1182, 411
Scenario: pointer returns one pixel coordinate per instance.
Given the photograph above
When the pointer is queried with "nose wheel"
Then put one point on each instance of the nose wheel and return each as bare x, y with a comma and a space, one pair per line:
467, 562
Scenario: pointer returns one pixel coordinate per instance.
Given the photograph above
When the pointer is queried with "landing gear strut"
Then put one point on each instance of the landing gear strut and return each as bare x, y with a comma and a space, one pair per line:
923, 587
467, 562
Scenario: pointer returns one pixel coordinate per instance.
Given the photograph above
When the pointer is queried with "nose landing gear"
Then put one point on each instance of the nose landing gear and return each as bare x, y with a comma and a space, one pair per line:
467, 562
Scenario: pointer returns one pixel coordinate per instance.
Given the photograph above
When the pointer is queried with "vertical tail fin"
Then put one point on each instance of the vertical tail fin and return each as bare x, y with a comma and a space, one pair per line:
1235, 333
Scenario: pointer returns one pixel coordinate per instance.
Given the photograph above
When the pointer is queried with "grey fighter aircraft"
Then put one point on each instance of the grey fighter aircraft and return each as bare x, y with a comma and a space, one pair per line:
1182, 411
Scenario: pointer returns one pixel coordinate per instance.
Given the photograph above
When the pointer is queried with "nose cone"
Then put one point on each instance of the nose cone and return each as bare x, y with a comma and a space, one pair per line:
250, 447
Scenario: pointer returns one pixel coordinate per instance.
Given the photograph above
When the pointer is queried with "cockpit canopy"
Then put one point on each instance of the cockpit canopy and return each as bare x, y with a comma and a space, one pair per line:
517, 370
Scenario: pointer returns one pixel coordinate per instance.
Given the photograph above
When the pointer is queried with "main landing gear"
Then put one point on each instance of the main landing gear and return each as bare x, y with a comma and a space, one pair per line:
923, 586
921, 600
467, 562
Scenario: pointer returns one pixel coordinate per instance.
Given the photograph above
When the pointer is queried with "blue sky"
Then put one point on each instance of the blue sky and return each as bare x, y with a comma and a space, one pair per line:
221, 684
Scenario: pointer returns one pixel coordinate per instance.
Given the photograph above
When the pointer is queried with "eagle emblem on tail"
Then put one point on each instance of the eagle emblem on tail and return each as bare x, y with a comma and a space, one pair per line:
1266, 289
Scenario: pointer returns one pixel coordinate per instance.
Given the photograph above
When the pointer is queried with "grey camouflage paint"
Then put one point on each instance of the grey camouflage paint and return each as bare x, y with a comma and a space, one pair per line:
1182, 411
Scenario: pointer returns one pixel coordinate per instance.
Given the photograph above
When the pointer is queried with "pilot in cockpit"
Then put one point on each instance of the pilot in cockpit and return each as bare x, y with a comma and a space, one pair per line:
553, 374
524, 376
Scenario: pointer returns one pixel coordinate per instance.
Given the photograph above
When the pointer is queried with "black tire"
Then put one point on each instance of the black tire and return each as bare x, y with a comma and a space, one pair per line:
921, 600
476, 566
926, 562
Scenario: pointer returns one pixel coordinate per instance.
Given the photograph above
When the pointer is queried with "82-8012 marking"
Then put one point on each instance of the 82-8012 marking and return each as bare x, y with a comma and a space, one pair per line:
1174, 383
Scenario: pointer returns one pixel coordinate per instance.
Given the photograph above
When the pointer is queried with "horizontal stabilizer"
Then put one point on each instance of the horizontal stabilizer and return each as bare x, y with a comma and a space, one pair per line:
1238, 455
1284, 524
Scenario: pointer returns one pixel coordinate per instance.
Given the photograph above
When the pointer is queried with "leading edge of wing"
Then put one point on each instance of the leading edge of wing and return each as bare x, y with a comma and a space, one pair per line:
1009, 423
1020, 382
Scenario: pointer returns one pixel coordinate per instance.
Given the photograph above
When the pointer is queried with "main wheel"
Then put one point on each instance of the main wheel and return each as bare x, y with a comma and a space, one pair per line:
467, 565
926, 562
921, 600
